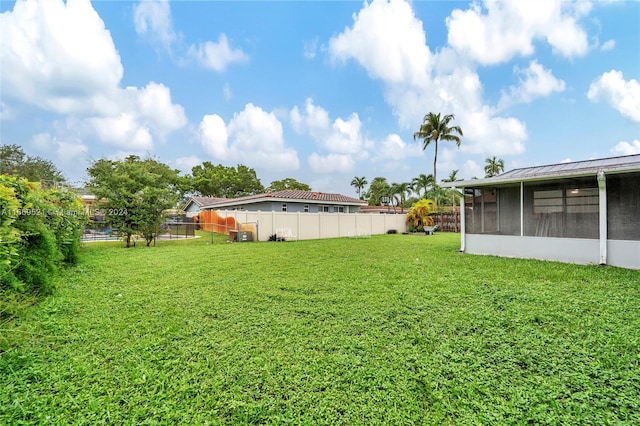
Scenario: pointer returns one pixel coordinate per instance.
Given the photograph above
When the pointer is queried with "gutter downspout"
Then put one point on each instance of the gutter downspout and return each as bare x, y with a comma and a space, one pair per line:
602, 196
462, 223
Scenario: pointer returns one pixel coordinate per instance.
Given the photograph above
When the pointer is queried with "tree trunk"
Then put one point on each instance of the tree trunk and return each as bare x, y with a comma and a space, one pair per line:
435, 160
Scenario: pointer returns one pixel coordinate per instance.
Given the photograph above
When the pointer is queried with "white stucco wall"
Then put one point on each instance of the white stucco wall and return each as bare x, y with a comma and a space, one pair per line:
625, 254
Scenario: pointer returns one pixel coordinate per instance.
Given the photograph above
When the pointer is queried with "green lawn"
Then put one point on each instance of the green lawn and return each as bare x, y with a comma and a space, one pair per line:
392, 329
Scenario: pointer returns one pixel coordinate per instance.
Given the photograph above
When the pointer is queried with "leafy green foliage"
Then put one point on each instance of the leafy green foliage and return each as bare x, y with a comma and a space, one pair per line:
378, 188
288, 183
418, 214
225, 182
359, 183
493, 166
435, 128
39, 230
14, 161
135, 192
300, 333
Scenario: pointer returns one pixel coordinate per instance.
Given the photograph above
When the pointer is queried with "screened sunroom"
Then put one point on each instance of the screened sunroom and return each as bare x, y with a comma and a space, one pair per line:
582, 212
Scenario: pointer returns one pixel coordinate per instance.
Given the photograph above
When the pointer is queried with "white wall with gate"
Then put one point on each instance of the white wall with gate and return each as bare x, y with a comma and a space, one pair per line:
312, 226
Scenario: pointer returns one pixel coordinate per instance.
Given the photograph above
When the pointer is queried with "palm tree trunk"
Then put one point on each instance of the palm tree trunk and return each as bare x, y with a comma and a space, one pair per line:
435, 160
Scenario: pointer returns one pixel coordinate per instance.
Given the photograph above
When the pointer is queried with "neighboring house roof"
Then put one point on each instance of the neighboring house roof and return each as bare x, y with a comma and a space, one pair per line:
612, 165
202, 201
288, 195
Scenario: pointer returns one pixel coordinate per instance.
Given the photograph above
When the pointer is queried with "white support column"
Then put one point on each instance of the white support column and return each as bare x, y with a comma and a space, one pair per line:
602, 196
522, 209
462, 222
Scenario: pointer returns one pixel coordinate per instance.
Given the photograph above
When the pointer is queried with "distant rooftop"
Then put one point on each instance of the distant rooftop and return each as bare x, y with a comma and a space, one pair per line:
285, 195
624, 164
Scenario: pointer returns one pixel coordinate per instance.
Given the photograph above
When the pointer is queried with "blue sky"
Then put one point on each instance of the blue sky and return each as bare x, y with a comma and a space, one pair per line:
320, 91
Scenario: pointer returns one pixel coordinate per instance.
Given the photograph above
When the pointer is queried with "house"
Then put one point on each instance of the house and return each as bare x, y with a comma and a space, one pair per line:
195, 204
584, 212
279, 201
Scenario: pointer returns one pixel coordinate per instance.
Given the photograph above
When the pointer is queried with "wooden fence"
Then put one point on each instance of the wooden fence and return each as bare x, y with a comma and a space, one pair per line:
448, 222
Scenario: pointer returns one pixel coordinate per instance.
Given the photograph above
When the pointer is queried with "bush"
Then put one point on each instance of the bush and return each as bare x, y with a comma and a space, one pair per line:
39, 229
274, 237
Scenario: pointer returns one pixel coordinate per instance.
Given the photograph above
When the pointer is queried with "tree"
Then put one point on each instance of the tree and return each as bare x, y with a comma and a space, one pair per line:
453, 176
422, 182
433, 129
225, 182
358, 183
494, 166
135, 193
402, 190
378, 188
451, 196
418, 215
288, 183
39, 229
14, 161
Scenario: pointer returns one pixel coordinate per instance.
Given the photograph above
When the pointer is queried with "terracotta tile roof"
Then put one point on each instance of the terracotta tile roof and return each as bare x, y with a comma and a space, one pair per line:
314, 197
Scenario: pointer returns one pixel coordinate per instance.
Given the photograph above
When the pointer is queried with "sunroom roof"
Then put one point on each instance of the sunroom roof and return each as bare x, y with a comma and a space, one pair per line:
624, 164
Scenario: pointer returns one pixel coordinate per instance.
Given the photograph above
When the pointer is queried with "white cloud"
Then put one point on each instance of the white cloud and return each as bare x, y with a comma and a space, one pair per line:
394, 148
608, 45
493, 135
6, 113
185, 164
626, 148
501, 29
310, 48
227, 94
536, 81
612, 88
471, 169
253, 137
71, 154
155, 107
314, 120
123, 131
214, 136
58, 56
153, 19
332, 163
340, 137
388, 41
217, 56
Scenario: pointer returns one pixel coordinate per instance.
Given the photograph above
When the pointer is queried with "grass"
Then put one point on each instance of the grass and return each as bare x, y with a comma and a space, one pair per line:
392, 329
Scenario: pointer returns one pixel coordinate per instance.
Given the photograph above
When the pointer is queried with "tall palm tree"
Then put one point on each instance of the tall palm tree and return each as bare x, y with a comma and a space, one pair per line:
435, 128
402, 190
378, 188
453, 176
452, 196
422, 183
494, 166
359, 183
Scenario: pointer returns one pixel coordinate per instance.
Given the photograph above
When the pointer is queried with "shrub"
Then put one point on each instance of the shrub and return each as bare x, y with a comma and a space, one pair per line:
418, 215
39, 229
